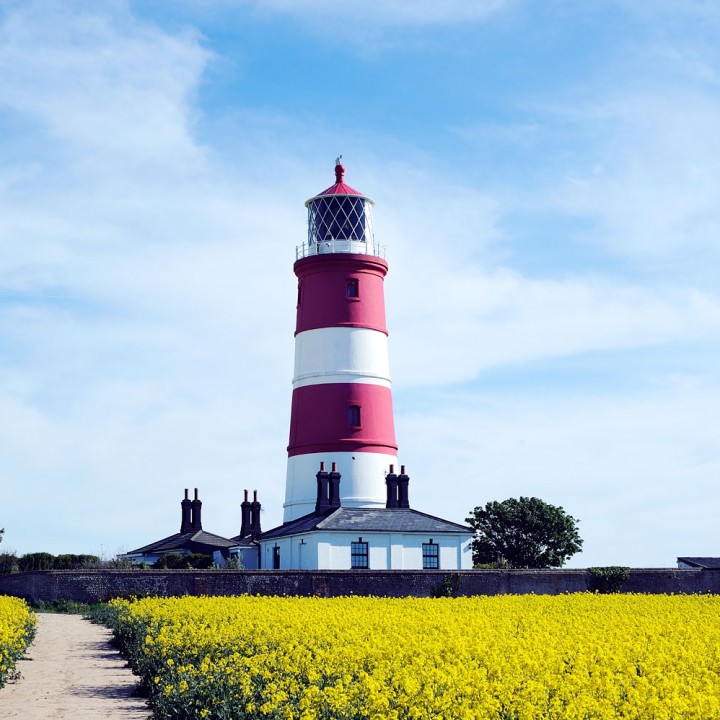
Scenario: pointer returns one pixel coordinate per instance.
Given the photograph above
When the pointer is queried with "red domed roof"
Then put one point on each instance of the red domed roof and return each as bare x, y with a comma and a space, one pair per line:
340, 187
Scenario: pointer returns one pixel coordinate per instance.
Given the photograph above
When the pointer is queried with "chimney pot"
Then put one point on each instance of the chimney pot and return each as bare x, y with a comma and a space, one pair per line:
334, 487
245, 519
186, 514
323, 480
195, 513
391, 481
403, 497
255, 516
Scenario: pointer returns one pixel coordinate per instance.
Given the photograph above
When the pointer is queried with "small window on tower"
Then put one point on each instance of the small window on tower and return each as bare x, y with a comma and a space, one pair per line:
352, 289
299, 294
354, 415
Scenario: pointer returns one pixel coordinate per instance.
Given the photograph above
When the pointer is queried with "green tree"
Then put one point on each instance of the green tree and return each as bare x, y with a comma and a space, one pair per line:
524, 533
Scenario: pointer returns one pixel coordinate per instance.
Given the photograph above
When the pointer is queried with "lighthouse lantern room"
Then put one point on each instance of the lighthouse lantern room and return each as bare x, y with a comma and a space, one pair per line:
339, 221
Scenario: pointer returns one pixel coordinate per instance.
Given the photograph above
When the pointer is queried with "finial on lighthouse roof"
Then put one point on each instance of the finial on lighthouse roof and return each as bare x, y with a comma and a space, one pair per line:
339, 169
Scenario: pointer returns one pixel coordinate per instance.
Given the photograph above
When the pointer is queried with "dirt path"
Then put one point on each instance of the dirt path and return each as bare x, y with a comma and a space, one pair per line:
72, 673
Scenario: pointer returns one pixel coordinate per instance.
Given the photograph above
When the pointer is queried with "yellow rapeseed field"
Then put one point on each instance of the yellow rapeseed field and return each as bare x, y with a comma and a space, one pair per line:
506, 657
17, 629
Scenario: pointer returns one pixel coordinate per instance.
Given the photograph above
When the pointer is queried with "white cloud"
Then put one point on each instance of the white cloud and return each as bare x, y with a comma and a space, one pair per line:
479, 321
457, 309
102, 83
655, 177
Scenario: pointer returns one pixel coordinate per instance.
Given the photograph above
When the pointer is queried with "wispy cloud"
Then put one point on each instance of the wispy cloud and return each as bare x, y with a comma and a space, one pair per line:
390, 13
654, 181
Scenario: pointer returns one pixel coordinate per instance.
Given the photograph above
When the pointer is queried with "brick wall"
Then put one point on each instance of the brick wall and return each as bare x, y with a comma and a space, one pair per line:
99, 585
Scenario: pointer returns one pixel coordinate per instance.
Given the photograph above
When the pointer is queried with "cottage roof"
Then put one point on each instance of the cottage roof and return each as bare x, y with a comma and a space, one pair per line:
359, 520
198, 541
707, 563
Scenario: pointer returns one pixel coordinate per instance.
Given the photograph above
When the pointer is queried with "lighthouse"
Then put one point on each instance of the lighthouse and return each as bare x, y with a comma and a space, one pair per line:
341, 412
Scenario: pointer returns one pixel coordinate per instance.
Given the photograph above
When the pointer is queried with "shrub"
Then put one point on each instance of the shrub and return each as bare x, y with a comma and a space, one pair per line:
235, 563
448, 587
36, 561
76, 562
608, 579
121, 562
191, 561
62, 606
8, 563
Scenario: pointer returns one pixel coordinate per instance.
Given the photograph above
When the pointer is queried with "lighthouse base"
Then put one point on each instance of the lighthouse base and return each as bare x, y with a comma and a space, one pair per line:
362, 482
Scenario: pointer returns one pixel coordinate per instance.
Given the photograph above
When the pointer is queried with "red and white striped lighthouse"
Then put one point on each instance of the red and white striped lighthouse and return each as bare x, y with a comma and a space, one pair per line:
342, 403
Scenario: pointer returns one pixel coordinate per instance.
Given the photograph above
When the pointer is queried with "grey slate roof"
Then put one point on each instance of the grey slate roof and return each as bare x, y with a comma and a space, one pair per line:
358, 520
707, 563
194, 541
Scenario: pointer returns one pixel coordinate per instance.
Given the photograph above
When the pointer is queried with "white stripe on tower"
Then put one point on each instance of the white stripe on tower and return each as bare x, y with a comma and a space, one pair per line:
340, 354
342, 402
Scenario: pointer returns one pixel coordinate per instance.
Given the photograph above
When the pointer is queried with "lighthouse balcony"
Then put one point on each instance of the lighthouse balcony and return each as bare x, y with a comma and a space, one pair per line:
333, 245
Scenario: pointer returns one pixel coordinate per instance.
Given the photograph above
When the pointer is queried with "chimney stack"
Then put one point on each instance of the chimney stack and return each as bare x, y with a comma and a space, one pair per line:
186, 512
323, 479
403, 482
334, 487
255, 508
196, 507
391, 481
245, 523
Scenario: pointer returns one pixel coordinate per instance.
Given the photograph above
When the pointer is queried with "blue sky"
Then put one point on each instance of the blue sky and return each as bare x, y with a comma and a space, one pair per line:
547, 179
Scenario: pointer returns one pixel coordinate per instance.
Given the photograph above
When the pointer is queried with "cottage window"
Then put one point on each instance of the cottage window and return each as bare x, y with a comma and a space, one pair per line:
276, 557
431, 556
359, 555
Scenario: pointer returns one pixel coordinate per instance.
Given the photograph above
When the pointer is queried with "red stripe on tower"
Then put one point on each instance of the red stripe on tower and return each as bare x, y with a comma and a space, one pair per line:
342, 403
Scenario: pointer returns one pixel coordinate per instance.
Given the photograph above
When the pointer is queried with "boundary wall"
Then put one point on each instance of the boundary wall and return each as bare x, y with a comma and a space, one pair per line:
91, 586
